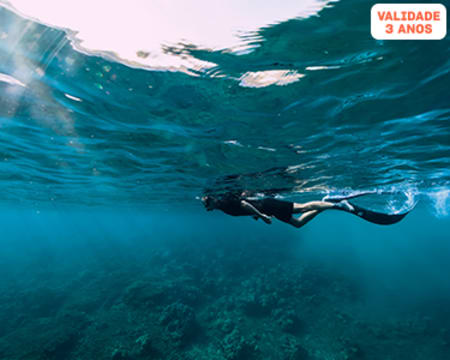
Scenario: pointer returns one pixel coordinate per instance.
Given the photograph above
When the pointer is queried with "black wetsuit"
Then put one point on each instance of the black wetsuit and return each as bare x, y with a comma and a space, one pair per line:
231, 204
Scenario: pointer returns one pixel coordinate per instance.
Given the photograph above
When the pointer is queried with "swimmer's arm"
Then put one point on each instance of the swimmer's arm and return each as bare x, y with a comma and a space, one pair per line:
248, 206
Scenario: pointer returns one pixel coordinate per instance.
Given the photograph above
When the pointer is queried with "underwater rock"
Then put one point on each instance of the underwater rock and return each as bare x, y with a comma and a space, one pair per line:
119, 354
142, 294
299, 353
60, 346
237, 347
188, 294
145, 347
209, 285
43, 302
227, 326
287, 319
180, 322
258, 299
256, 305
293, 350
352, 351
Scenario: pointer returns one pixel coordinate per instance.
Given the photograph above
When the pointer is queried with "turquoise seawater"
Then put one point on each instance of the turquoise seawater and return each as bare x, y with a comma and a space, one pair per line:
106, 251
375, 118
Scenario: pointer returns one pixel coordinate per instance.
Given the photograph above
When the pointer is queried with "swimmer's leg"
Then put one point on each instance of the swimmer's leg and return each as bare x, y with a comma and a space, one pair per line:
311, 209
312, 205
304, 218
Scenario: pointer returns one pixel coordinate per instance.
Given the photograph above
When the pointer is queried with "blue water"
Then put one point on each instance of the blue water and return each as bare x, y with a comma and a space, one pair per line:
103, 161
376, 119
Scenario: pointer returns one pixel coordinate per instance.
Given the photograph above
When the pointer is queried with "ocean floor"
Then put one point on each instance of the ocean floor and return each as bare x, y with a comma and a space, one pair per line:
208, 299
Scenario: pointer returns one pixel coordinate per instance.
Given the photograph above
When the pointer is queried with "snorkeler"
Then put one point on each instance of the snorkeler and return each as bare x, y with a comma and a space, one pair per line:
266, 208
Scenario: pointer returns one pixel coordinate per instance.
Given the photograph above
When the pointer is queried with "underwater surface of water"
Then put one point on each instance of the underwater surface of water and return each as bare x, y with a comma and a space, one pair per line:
116, 117
315, 105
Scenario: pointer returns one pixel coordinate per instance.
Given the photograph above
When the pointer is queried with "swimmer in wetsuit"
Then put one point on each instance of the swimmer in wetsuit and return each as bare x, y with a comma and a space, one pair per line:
266, 208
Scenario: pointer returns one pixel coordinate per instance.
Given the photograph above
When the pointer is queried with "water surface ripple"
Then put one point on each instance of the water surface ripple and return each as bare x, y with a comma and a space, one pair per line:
316, 105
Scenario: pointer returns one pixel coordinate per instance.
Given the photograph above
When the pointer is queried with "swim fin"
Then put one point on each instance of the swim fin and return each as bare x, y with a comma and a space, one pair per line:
375, 217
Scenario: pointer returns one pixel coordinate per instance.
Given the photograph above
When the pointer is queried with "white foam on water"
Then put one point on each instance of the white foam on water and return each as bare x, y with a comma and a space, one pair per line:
266, 148
71, 97
10, 80
261, 79
141, 33
438, 198
441, 201
316, 68
233, 142
399, 204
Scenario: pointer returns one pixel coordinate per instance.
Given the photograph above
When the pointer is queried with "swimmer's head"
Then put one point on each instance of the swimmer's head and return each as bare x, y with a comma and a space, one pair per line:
209, 202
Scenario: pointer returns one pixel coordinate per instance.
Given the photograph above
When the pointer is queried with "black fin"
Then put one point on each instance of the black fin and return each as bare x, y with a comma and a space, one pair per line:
376, 217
